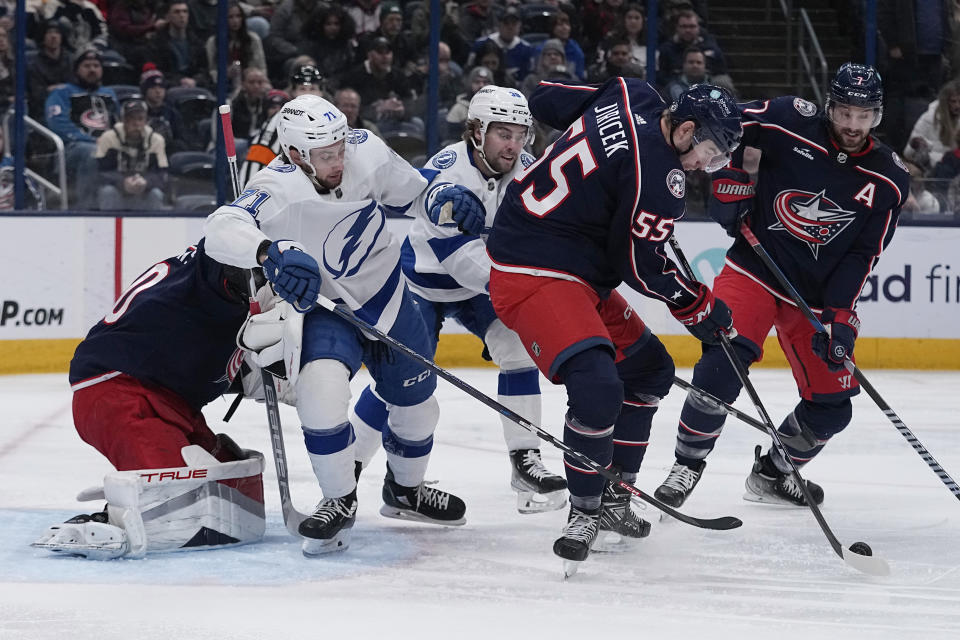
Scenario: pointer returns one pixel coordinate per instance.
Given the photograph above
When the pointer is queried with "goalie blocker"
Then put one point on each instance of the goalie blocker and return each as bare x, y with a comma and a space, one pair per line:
202, 505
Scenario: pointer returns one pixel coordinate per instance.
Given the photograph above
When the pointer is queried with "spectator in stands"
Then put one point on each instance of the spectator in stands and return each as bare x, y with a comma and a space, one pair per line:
287, 33
945, 177
478, 19
491, 56
920, 200
203, 18
87, 24
162, 117
478, 78
384, 90
50, 69
561, 29
631, 27
935, 132
391, 28
33, 198
517, 52
694, 72
365, 15
248, 108
79, 112
331, 44
551, 65
7, 68
348, 101
130, 23
177, 51
132, 162
244, 48
599, 19
687, 33
616, 62
450, 32
275, 99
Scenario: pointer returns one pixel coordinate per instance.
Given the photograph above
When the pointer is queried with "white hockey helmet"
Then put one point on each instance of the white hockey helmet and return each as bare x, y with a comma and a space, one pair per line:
308, 122
499, 104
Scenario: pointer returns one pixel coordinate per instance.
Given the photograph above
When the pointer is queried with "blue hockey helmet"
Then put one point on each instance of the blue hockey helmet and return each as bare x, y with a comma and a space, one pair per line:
857, 85
715, 113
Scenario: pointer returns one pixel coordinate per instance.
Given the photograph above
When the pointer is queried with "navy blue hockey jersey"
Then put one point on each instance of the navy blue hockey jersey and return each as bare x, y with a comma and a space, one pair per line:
823, 215
599, 205
175, 326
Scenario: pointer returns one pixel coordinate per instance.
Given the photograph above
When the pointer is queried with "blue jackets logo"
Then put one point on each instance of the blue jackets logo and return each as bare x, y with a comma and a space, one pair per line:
352, 239
810, 217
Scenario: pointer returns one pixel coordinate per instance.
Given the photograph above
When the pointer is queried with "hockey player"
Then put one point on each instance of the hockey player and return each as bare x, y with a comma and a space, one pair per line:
827, 203
139, 380
593, 211
326, 191
448, 274
304, 80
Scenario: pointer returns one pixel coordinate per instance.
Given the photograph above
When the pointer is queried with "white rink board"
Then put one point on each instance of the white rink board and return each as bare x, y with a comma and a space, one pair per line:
68, 264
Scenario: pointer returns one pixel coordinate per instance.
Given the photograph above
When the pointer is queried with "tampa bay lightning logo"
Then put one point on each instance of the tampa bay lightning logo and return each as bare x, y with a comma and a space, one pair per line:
445, 159
526, 160
351, 240
356, 136
810, 217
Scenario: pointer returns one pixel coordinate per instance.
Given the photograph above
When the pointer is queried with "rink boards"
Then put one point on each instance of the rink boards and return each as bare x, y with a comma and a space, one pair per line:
68, 271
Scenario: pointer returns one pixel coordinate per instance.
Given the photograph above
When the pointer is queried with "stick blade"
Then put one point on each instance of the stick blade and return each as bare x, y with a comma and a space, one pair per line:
870, 565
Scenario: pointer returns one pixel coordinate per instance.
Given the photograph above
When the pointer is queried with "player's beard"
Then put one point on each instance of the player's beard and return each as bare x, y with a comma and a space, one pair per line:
502, 165
850, 140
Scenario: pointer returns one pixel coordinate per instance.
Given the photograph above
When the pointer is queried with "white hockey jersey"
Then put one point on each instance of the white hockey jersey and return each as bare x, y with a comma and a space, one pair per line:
440, 263
344, 229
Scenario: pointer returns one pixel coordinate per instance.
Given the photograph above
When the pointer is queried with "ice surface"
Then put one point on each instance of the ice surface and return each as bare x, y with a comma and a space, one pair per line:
496, 576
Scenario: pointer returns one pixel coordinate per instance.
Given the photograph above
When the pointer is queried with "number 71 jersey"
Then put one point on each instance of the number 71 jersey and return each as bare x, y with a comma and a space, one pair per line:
599, 205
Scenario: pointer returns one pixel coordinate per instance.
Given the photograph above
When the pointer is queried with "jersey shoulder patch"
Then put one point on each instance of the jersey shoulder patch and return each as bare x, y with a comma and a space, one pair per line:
358, 136
898, 161
282, 168
677, 183
804, 107
526, 159
445, 159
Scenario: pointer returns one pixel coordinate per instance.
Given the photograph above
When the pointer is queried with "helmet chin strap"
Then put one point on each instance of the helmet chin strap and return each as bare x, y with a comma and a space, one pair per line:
483, 156
674, 146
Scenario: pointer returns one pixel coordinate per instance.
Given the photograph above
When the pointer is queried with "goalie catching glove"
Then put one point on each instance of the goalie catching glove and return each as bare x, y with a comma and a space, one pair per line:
455, 204
293, 272
836, 345
733, 192
706, 317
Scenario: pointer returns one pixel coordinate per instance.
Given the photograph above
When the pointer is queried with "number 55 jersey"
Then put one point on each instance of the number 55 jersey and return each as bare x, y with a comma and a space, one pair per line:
600, 203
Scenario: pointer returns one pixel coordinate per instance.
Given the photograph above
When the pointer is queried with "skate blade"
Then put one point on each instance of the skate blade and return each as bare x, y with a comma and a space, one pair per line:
570, 568
533, 502
315, 547
612, 542
752, 497
413, 516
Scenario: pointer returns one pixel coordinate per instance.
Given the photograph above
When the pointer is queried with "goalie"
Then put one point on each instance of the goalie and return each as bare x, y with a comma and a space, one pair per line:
139, 381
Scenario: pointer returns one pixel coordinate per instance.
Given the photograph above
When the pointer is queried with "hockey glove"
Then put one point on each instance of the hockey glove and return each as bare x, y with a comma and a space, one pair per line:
294, 274
733, 192
836, 344
706, 317
458, 205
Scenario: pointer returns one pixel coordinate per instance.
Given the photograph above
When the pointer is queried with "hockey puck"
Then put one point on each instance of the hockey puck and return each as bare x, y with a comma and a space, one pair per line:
861, 548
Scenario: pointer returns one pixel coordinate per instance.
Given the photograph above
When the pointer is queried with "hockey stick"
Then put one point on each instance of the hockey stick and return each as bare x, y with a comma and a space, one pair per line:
722, 523
866, 563
850, 366
291, 517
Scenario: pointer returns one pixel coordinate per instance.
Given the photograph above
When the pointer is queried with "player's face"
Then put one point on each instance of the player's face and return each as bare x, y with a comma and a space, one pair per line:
503, 144
851, 126
328, 164
704, 156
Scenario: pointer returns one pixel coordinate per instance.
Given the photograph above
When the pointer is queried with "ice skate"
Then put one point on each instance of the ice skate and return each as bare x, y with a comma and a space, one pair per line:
421, 503
768, 484
679, 484
573, 545
538, 490
620, 526
330, 526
